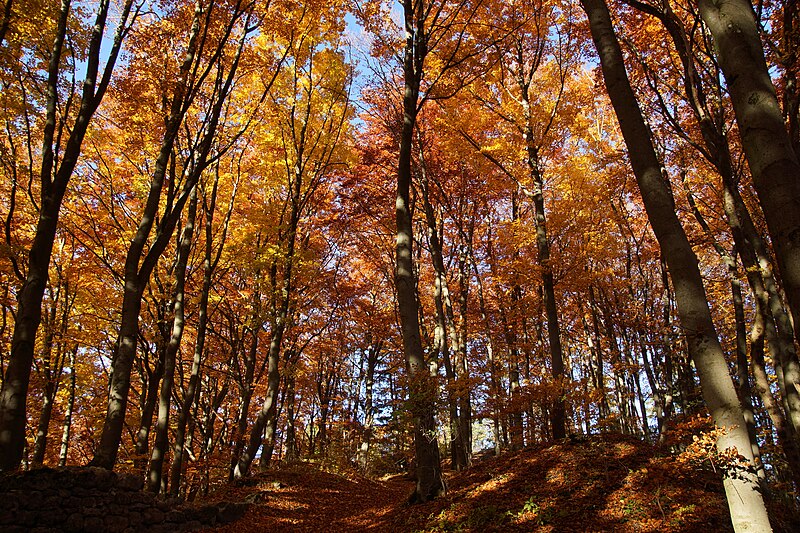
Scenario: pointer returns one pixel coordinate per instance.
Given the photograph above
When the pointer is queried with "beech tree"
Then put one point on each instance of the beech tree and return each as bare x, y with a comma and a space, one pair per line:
193, 72
746, 504
54, 177
225, 275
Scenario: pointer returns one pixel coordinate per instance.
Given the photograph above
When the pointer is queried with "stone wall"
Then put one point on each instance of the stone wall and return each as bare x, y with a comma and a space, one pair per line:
95, 500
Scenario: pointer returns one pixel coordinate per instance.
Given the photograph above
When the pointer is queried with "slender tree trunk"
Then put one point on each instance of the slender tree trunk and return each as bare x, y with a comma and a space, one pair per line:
786, 439
600, 384
40, 444
557, 409
291, 428
14, 390
246, 388
269, 408
170, 359
745, 502
422, 388
148, 408
62, 456
136, 275
373, 352
445, 328
209, 265
51, 374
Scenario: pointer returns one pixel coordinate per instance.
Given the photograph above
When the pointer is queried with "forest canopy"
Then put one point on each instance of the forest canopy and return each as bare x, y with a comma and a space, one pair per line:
383, 235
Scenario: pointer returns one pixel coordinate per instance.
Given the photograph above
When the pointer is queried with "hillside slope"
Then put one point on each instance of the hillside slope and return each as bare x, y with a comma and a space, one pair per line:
602, 483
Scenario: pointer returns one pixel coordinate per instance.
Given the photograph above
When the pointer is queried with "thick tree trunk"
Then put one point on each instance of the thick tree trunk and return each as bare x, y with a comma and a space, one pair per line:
745, 502
767, 145
748, 240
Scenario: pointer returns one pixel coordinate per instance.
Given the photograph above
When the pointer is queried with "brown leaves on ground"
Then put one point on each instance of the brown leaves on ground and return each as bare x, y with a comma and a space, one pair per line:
304, 498
602, 483
608, 483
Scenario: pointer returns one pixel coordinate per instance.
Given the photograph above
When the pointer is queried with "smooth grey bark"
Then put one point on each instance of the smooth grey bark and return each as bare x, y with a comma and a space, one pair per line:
787, 439
744, 389
745, 502
510, 336
291, 427
267, 415
766, 143
748, 240
463, 382
307, 160
54, 180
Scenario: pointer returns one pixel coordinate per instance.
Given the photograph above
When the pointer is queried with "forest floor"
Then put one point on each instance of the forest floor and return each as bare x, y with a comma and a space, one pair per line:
610, 483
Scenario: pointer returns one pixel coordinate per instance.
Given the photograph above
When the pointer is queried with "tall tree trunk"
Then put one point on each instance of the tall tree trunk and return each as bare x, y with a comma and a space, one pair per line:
748, 240
747, 509
767, 145
210, 262
136, 275
7, 6
422, 388
445, 327
291, 428
14, 390
557, 409
170, 359
267, 416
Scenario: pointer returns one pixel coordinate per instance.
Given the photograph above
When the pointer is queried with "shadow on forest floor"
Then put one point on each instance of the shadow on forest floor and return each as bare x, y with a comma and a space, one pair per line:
601, 483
